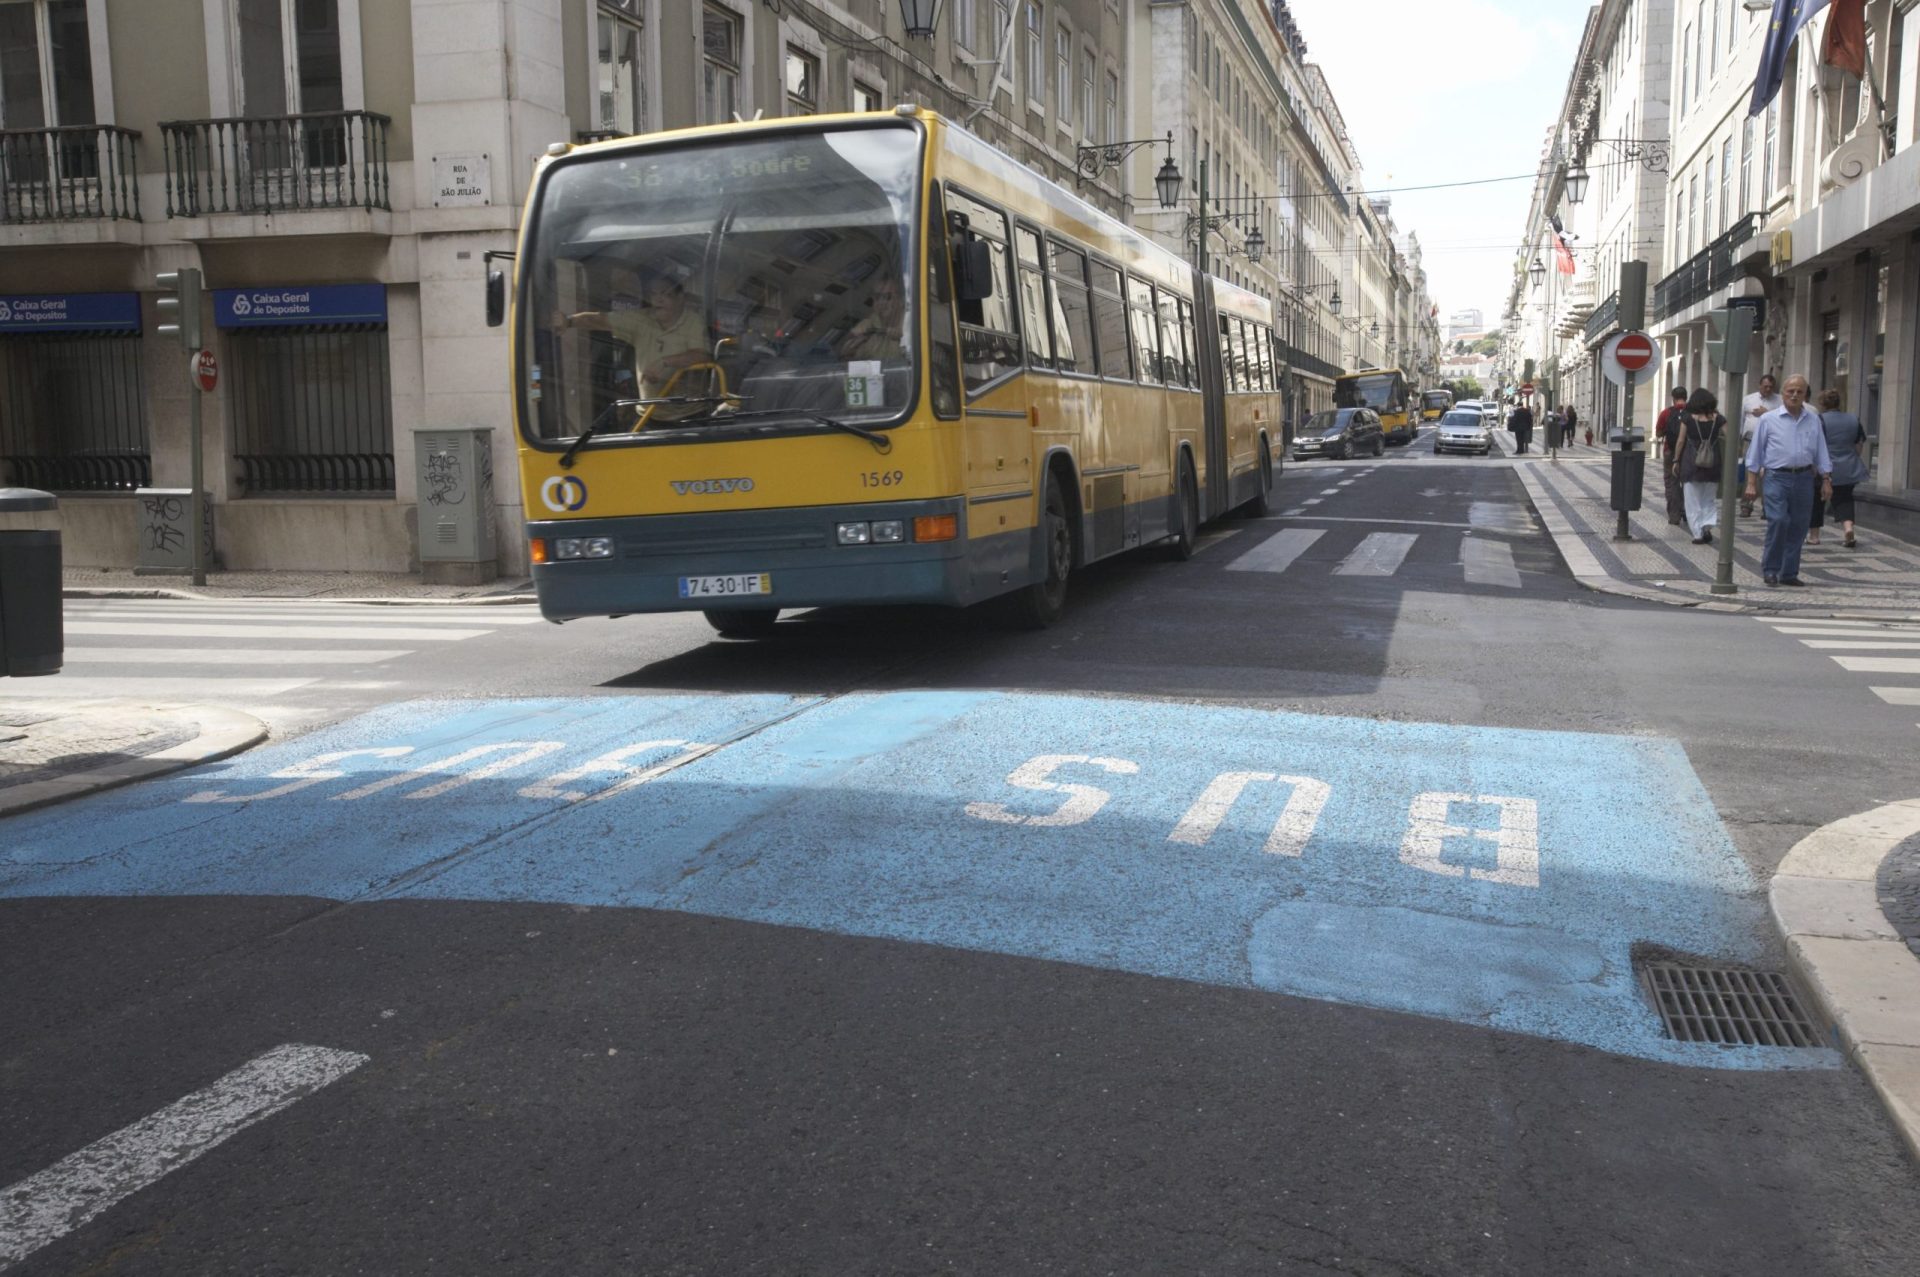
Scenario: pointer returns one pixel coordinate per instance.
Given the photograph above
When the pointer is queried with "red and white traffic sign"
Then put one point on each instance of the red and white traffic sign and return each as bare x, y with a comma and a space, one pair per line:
1630, 358
206, 373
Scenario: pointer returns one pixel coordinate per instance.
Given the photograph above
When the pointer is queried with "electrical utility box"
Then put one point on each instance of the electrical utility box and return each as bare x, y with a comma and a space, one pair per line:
453, 472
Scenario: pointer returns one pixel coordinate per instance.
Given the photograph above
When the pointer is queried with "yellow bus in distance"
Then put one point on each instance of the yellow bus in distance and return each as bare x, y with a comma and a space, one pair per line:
1434, 404
860, 359
1385, 391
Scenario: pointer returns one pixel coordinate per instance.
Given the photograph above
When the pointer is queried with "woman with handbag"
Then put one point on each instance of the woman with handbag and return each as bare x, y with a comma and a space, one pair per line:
1846, 439
1696, 463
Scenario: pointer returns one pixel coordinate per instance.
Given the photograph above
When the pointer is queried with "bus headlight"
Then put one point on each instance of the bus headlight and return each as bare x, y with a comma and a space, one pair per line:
853, 533
888, 531
583, 547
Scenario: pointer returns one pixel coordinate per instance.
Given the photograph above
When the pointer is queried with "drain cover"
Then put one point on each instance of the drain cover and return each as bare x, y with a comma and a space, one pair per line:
1728, 1006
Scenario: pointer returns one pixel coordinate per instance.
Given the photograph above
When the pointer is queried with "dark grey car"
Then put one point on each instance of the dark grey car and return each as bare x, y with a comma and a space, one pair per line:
1340, 432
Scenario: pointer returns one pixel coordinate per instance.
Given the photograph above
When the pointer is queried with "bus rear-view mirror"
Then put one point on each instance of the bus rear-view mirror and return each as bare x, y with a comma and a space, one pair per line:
973, 270
496, 298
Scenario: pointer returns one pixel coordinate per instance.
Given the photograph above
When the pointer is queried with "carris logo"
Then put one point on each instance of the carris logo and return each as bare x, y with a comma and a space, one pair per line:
699, 487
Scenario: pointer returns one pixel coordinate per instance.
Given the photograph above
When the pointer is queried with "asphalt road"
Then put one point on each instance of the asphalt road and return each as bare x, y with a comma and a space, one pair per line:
910, 972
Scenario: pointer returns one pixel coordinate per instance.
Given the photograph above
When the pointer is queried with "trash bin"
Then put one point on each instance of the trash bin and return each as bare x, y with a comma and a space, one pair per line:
1629, 473
31, 641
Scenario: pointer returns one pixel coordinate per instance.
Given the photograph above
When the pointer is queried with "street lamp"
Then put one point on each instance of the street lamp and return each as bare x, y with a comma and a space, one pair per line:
1092, 161
1537, 272
919, 17
1577, 184
1333, 302
1167, 182
1256, 245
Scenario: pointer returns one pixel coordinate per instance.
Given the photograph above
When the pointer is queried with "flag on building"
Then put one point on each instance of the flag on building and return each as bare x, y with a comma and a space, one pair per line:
1845, 45
1785, 23
1562, 255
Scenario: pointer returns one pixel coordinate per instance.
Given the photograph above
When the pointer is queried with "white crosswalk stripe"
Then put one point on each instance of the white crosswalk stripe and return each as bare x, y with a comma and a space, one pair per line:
1277, 552
1482, 560
1831, 636
1880, 664
1898, 695
237, 651
1381, 554
1489, 562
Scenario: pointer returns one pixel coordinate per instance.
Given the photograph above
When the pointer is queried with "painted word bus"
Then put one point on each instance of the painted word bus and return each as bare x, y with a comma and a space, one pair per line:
860, 359
1385, 391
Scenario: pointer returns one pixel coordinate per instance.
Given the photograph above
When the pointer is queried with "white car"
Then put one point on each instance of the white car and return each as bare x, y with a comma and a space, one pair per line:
1463, 430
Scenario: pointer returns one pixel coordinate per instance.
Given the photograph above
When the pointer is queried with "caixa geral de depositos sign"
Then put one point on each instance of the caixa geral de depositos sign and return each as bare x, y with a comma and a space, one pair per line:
300, 304
70, 312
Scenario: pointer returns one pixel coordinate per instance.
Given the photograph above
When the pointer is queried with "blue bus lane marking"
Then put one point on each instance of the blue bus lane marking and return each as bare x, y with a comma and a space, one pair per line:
1492, 876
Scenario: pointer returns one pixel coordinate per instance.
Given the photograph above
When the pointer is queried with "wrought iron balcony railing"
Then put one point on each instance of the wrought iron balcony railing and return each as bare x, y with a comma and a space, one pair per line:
68, 174
1603, 318
1705, 273
277, 163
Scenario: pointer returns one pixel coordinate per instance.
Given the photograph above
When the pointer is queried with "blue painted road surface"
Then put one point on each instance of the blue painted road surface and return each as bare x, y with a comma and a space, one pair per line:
1492, 876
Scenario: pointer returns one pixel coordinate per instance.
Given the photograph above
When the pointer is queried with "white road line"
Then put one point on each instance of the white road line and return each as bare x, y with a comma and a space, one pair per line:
1208, 540
233, 656
1880, 664
1277, 552
1489, 563
332, 618
47, 1206
1398, 523
1293, 513
1344, 483
1379, 555
1862, 644
1311, 501
1898, 695
140, 629
161, 689
1334, 491
1825, 627
1830, 622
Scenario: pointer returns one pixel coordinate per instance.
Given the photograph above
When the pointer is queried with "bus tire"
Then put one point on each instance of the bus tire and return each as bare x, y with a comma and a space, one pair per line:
1259, 505
1040, 604
747, 623
1186, 533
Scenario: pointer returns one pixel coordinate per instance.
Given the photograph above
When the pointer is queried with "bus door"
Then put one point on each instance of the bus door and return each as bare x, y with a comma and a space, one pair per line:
1214, 488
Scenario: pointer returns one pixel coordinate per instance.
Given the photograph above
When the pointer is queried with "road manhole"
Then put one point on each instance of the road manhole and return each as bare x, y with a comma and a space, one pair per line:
1729, 1006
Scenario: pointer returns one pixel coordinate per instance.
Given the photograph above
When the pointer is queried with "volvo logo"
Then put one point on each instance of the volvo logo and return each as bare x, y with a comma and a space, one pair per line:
698, 487
563, 494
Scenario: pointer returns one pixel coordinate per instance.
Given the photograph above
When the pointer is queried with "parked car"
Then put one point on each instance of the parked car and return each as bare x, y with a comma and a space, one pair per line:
1464, 430
1340, 432
1490, 413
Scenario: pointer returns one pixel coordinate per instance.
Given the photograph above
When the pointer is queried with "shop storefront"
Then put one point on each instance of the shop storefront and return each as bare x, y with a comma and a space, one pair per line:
73, 404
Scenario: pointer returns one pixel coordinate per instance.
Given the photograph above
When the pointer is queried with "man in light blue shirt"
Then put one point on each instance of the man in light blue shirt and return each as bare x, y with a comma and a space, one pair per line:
1790, 449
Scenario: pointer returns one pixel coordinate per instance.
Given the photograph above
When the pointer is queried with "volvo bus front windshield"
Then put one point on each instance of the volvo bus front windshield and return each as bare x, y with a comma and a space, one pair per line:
1382, 391
782, 258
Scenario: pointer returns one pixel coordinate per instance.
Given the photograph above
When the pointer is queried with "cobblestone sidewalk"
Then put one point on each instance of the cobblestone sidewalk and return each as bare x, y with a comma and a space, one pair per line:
1882, 574
51, 751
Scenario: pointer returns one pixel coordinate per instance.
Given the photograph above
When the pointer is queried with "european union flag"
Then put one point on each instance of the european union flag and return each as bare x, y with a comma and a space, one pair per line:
1788, 17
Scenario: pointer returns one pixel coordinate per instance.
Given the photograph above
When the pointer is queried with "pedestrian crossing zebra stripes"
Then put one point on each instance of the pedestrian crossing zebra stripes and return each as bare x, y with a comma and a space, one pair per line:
1349, 551
249, 649
1858, 648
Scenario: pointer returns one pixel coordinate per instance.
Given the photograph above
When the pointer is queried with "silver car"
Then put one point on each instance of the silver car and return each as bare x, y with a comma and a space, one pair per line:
1463, 432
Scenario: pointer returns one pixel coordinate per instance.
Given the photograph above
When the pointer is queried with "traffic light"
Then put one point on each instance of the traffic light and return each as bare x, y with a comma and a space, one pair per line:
180, 306
1732, 333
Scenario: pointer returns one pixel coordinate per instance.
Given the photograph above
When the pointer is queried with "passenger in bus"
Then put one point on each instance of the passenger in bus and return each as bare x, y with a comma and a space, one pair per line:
882, 334
666, 336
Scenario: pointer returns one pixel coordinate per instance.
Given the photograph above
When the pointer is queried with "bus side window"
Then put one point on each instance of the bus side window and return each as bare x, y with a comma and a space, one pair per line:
1193, 342
1176, 362
1033, 299
1263, 351
1229, 363
989, 332
1072, 311
1146, 335
1110, 321
943, 357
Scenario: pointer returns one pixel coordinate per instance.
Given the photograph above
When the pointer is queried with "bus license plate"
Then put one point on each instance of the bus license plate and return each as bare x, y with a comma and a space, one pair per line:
726, 587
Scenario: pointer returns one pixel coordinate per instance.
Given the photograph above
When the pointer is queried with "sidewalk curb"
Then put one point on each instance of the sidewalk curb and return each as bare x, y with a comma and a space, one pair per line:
1866, 980
223, 732
157, 592
1588, 572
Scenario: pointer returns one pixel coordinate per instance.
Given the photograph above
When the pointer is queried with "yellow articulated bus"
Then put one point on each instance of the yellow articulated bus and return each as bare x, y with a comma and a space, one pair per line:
860, 359
1434, 404
1385, 391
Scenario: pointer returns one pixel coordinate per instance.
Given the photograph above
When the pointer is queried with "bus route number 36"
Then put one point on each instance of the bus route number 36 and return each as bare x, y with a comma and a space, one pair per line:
882, 478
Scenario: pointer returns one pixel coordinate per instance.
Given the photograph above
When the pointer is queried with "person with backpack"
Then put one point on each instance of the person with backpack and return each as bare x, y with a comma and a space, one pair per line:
1696, 463
1669, 427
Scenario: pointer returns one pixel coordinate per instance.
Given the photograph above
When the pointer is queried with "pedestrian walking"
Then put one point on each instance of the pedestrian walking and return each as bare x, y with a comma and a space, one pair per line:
1752, 408
1846, 447
1520, 421
1670, 426
1696, 463
1569, 420
1788, 455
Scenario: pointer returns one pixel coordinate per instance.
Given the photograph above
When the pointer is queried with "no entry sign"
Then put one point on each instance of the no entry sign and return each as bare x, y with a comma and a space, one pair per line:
206, 372
1630, 358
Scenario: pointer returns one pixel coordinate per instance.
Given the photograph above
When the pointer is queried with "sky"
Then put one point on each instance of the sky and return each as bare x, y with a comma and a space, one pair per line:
1449, 92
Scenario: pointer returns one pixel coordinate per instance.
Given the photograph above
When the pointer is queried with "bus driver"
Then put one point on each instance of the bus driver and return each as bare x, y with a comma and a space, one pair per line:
882, 334
666, 336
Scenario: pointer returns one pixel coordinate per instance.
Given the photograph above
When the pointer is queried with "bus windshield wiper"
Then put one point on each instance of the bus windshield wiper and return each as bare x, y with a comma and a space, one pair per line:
881, 444
599, 422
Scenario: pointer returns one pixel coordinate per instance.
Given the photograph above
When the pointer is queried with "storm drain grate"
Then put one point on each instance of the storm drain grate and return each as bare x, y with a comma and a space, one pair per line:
1728, 1006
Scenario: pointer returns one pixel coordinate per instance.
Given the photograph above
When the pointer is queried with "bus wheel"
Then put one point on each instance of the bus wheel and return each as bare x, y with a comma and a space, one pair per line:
1259, 505
754, 622
1184, 541
1036, 606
